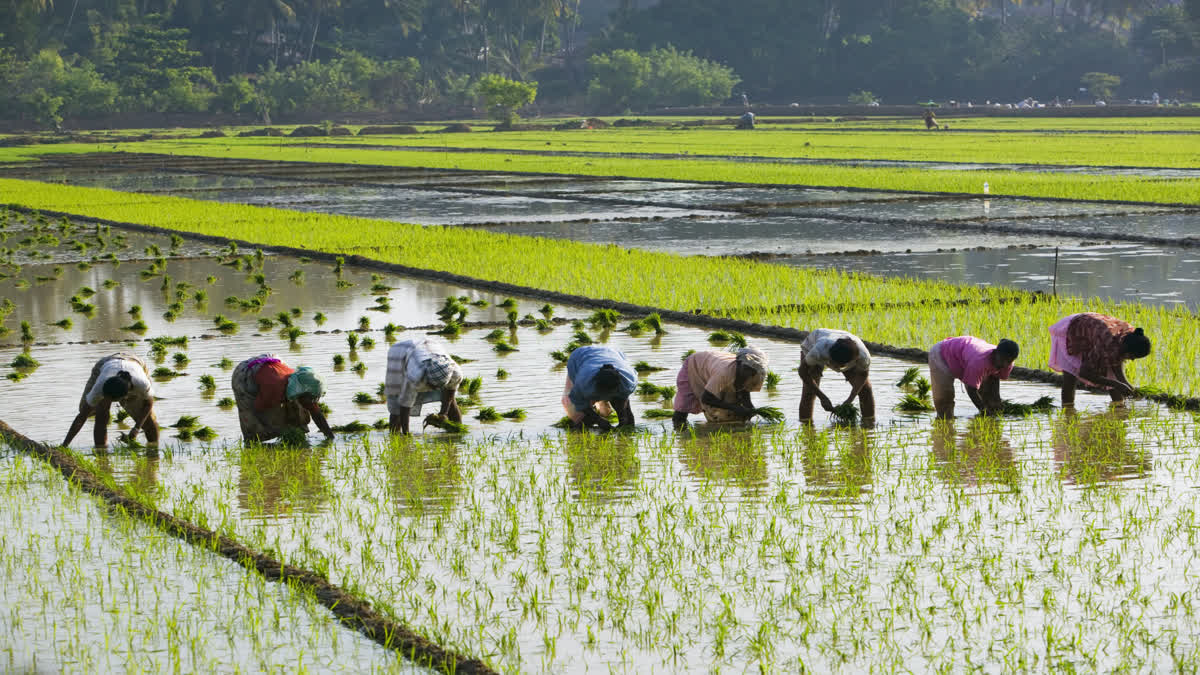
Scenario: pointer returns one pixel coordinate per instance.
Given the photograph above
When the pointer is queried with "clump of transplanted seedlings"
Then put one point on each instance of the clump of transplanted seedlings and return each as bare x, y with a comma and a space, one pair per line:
1044, 404
352, 427
508, 303
319, 318
64, 324
24, 360
225, 363
204, 433
502, 347
284, 319
845, 414
653, 322
364, 323
644, 367
224, 324
208, 383
773, 380
181, 360
916, 388
364, 398
138, 326
453, 311
293, 334
297, 277
444, 423
26, 332
186, 422
651, 390
352, 341
604, 318
368, 343
226, 403
359, 368
390, 330
501, 374
265, 323
514, 415
488, 414
451, 329
512, 318
164, 373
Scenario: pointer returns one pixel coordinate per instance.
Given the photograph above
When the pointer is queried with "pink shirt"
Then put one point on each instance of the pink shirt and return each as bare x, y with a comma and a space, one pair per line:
970, 360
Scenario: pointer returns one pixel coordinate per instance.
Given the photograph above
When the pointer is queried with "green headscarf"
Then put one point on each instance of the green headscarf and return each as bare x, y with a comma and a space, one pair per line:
305, 381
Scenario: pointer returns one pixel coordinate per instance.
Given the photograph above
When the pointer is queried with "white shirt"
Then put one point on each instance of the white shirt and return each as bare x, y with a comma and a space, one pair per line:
405, 377
818, 343
139, 383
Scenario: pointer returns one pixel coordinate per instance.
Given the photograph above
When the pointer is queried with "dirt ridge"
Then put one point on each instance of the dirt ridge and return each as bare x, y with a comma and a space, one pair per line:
351, 611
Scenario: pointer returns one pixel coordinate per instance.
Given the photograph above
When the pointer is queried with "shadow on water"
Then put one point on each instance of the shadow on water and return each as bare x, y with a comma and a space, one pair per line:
602, 467
1095, 449
424, 476
727, 454
837, 464
977, 457
135, 470
276, 480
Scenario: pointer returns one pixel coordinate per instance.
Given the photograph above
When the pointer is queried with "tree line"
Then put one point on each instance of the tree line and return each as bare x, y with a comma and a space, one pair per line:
290, 58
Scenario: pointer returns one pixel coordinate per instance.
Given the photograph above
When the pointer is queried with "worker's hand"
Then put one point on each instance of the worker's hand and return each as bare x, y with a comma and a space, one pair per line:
1122, 388
603, 425
745, 412
849, 400
826, 403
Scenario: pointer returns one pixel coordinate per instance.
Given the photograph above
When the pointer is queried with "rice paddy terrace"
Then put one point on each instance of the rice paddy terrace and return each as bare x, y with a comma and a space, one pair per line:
1056, 539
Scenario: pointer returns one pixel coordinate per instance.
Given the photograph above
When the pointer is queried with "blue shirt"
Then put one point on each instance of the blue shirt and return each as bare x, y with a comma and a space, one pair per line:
582, 367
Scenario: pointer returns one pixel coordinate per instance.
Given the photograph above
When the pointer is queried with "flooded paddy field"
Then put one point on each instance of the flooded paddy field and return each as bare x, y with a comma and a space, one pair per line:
910, 545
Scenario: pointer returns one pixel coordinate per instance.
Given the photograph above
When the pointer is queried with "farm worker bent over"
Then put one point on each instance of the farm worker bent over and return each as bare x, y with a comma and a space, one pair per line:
980, 366
718, 383
118, 378
844, 353
273, 397
599, 380
420, 371
1091, 348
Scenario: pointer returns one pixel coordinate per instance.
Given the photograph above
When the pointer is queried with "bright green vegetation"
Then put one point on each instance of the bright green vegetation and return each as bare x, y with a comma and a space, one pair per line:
1021, 183
915, 549
747, 290
1165, 150
89, 590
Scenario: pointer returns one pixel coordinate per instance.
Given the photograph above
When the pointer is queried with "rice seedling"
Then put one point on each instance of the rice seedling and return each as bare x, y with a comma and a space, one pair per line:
772, 381
265, 323
24, 360
339, 361
363, 398
293, 334
200, 297
225, 363
501, 374
390, 330
461, 359
226, 403
512, 318
297, 277
515, 415
496, 334
180, 359
352, 427
502, 347
480, 303
138, 326
440, 422
508, 303
368, 343
644, 367
471, 386
165, 373
208, 383
294, 437
913, 403
210, 280
657, 413
224, 324
204, 433
319, 318
352, 341
488, 414
1044, 404
186, 422
86, 291
546, 310
64, 324
26, 332
451, 329
581, 338
543, 326
284, 319
364, 323
845, 414
359, 368
604, 318
17, 376
769, 413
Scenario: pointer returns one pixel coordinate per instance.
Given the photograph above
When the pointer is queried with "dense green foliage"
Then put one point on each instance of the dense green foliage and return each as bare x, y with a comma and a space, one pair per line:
309, 58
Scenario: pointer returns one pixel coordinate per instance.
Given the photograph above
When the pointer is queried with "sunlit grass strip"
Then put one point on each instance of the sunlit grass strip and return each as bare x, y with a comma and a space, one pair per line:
353, 612
656, 279
1010, 183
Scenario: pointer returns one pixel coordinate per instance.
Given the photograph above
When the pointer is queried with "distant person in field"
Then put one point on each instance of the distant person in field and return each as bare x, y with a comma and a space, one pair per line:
600, 380
118, 378
420, 371
746, 121
930, 120
841, 352
273, 397
718, 384
1092, 348
979, 365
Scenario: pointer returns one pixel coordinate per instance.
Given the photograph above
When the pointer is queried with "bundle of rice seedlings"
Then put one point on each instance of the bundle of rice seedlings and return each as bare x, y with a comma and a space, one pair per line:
451, 329
367, 343
604, 318
471, 386
319, 318
363, 398
360, 368
1044, 404
186, 422
773, 380
845, 413
769, 413
501, 374
352, 341
508, 303
138, 326
445, 424
497, 334
502, 347
543, 325
364, 323
516, 414
24, 360
643, 367
480, 303
352, 427
208, 382
265, 324
914, 403
226, 403
64, 324
546, 310
909, 377
658, 413
180, 359
512, 318
164, 373
581, 338
294, 334
293, 437
205, 433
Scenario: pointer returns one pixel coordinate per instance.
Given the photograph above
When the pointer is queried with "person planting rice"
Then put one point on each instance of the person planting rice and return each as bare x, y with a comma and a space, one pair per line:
420, 371
978, 364
273, 397
844, 353
718, 384
118, 378
599, 380
1091, 348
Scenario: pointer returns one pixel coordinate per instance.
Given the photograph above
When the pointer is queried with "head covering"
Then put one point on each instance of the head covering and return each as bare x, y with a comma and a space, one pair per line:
304, 381
441, 371
754, 358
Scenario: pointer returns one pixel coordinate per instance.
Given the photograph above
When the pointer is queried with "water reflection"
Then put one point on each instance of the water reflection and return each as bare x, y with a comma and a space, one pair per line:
837, 463
276, 480
602, 467
978, 456
731, 454
136, 471
423, 475
1091, 449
